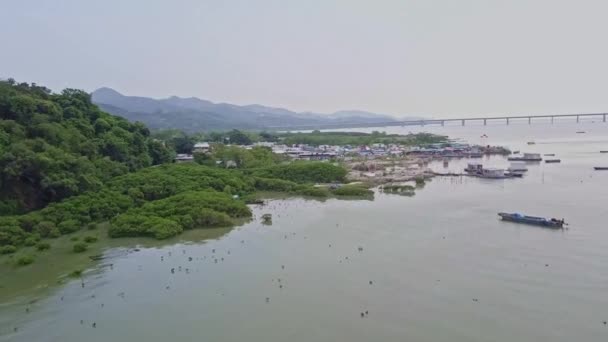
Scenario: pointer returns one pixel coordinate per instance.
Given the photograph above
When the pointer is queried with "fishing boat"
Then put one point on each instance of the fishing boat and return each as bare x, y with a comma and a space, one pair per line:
530, 157
477, 170
533, 220
600, 168
553, 160
549, 154
580, 132
604, 151
531, 143
517, 174
517, 166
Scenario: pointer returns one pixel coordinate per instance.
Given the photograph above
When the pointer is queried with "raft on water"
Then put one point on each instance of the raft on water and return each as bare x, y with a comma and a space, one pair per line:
533, 220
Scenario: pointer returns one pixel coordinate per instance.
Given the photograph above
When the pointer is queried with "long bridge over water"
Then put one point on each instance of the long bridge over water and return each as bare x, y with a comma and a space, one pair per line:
442, 122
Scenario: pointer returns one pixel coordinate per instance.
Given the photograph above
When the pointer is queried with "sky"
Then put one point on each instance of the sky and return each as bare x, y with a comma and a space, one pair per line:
434, 58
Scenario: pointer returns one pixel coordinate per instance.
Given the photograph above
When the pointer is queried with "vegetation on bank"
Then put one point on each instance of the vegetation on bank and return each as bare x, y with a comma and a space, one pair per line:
66, 166
163, 201
317, 138
54, 146
183, 143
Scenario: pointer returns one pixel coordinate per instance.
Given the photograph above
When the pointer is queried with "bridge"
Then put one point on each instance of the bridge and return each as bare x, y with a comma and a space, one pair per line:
442, 122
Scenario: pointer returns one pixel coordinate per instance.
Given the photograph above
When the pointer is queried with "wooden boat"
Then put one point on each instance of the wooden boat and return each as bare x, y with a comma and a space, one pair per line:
531, 157
553, 160
518, 174
533, 220
600, 168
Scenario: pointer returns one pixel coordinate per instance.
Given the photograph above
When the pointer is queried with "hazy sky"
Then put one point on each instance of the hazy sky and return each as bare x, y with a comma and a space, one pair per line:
427, 57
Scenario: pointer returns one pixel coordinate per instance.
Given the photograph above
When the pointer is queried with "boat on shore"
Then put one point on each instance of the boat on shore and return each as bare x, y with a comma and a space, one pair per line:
553, 160
529, 157
600, 168
532, 220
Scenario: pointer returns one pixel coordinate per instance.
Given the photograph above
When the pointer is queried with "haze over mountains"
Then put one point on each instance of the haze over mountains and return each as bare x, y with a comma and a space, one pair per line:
194, 115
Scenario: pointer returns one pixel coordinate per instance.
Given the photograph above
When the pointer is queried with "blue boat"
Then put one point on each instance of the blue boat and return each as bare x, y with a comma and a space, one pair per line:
533, 220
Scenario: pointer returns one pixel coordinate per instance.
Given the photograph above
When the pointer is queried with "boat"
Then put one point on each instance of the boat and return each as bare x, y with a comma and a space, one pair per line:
600, 168
517, 166
512, 174
477, 170
603, 151
531, 143
533, 220
493, 173
516, 152
580, 132
526, 157
553, 160
549, 154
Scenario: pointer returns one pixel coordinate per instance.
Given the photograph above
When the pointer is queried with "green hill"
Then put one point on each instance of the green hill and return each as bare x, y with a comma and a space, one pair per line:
53, 146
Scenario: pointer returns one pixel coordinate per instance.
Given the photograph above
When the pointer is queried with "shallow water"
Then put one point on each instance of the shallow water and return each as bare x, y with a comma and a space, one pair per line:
442, 266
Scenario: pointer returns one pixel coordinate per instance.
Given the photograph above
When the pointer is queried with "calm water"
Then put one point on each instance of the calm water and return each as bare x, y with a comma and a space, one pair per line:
442, 266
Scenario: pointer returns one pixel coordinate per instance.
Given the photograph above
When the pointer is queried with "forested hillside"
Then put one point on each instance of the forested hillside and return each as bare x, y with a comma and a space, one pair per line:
53, 146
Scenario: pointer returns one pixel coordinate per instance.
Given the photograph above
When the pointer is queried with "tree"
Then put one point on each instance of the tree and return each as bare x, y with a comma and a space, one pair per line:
239, 138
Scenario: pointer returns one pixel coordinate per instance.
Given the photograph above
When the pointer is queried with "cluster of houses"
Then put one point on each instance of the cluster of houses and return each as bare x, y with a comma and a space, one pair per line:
325, 152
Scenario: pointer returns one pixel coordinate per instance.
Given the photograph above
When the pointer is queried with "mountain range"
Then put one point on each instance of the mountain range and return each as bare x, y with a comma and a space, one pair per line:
195, 115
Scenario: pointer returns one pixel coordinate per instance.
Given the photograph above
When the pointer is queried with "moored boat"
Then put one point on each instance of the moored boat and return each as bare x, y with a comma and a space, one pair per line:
518, 174
533, 220
553, 160
517, 166
531, 157
600, 168
477, 170
604, 151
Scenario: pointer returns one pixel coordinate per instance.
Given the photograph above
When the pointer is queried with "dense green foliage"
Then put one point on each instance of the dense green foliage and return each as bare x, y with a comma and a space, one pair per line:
41, 246
8, 249
90, 239
317, 138
53, 146
25, 260
184, 143
353, 191
80, 247
168, 217
242, 158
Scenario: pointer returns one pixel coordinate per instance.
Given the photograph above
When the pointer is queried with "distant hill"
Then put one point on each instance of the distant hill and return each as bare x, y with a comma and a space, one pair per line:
193, 114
